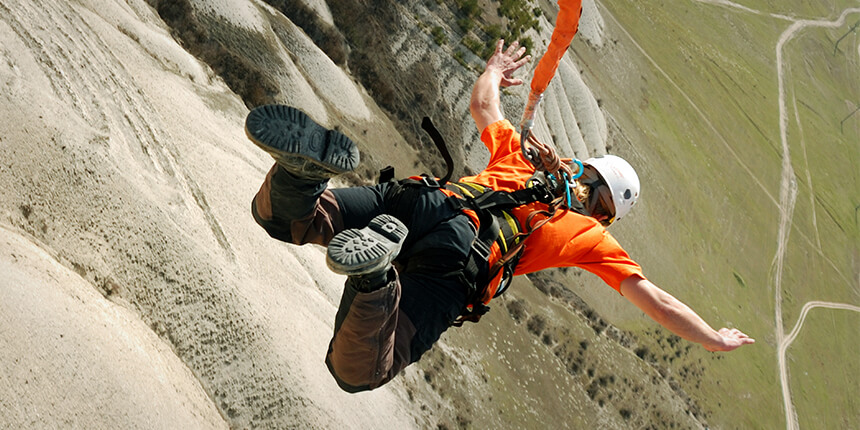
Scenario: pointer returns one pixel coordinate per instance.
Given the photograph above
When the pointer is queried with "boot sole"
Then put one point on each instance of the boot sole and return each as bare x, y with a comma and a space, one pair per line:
299, 144
367, 250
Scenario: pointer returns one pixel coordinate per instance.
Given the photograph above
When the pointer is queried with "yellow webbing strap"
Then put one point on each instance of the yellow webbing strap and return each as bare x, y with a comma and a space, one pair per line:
512, 223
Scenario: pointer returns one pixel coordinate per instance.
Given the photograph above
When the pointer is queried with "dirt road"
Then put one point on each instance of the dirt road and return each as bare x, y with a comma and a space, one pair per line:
788, 197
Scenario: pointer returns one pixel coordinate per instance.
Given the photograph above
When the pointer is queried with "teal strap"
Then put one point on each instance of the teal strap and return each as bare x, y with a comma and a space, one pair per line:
567, 188
568, 182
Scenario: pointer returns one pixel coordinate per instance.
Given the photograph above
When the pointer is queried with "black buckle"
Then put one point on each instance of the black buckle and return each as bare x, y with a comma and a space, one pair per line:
430, 181
482, 249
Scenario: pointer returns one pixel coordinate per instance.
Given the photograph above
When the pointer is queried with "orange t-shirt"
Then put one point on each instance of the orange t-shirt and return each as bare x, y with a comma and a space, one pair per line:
569, 238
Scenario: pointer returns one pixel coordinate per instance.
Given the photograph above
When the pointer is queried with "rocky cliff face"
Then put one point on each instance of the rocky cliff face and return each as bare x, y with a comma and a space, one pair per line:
406, 56
135, 272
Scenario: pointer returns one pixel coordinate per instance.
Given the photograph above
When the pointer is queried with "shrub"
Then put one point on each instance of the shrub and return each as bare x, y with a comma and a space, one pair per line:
536, 324
529, 44
439, 35
494, 32
466, 24
474, 45
469, 7
458, 55
517, 309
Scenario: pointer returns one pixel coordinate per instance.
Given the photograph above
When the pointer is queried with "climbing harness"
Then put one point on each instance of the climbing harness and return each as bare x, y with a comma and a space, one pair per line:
497, 226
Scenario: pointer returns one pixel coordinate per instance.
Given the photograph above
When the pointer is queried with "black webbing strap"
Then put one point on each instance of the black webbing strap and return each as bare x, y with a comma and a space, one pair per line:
427, 125
386, 174
489, 205
506, 200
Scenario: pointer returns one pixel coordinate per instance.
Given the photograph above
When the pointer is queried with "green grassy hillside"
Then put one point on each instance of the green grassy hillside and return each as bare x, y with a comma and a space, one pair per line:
701, 110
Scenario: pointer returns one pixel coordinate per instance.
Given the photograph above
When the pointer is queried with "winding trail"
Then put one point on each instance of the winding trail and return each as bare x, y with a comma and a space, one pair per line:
787, 200
788, 197
808, 307
788, 186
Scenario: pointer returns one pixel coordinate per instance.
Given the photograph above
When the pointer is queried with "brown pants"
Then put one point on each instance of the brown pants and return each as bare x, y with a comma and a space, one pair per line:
374, 334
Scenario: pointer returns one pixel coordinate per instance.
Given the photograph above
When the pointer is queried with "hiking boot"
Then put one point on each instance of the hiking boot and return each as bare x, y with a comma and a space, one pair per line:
367, 251
300, 145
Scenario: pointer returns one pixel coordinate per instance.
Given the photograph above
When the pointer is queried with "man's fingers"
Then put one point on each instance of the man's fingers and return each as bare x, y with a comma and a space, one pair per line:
511, 48
734, 339
521, 51
510, 82
738, 333
522, 61
499, 45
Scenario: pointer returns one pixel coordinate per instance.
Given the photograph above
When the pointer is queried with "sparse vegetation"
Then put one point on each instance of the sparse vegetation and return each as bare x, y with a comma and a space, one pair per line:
517, 309
602, 387
238, 69
439, 36
469, 8
458, 55
466, 24
520, 17
516, 18
326, 37
536, 324
474, 45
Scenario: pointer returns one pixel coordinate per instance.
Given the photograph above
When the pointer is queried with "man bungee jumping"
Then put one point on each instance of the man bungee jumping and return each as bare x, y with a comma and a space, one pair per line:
421, 255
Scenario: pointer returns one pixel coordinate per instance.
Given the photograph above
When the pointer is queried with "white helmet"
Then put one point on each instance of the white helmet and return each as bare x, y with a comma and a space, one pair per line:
622, 181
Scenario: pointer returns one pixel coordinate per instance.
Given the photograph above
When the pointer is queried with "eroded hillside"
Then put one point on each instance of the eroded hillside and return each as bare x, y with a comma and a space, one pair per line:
135, 271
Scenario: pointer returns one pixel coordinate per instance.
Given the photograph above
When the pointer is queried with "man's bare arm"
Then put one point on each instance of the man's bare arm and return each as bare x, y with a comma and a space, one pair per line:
679, 318
485, 103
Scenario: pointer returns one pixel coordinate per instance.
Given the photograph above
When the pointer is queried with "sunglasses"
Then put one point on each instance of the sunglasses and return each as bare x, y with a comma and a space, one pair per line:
600, 199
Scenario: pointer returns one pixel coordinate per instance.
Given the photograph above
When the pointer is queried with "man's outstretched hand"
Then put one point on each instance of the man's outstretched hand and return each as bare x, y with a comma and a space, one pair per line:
678, 317
506, 62
731, 339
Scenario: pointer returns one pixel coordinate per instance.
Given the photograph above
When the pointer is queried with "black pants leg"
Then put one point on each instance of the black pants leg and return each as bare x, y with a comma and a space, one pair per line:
376, 334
